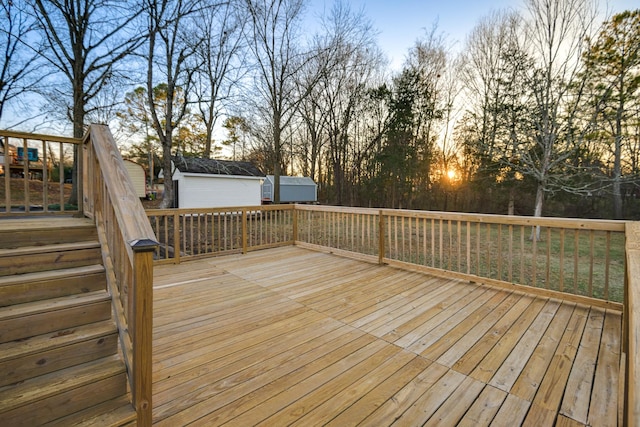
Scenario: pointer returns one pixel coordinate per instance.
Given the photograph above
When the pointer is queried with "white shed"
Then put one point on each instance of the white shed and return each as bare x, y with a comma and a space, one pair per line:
207, 183
293, 189
138, 177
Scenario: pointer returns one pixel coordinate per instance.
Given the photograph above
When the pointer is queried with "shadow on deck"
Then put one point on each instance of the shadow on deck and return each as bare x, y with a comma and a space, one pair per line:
292, 336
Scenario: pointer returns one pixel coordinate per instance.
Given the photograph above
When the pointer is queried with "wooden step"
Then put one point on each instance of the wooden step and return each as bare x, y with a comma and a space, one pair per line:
17, 232
41, 317
56, 395
42, 354
113, 413
31, 259
27, 287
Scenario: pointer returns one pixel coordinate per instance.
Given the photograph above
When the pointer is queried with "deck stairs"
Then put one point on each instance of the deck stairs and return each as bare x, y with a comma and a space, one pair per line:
59, 357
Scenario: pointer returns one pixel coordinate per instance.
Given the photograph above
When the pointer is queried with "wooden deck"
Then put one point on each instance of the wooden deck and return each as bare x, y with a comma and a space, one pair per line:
295, 337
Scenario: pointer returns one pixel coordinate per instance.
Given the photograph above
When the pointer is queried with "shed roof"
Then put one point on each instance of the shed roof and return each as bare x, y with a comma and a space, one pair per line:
215, 167
293, 180
133, 163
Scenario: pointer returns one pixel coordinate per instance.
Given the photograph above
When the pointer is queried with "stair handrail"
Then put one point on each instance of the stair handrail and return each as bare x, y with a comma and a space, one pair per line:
128, 243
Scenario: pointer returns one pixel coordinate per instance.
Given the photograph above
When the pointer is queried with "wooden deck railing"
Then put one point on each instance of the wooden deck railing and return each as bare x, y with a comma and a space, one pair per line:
34, 174
345, 230
195, 233
578, 259
128, 245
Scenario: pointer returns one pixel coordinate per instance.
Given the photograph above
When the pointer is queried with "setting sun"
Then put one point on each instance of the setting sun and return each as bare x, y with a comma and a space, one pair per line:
451, 174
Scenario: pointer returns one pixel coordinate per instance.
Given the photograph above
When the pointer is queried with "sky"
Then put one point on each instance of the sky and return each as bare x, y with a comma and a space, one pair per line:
401, 22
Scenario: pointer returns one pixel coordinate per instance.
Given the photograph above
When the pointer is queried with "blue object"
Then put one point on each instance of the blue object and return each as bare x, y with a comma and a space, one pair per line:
32, 154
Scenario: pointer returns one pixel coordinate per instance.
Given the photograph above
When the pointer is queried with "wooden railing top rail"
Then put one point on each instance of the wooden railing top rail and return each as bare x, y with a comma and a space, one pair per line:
40, 137
568, 223
345, 209
132, 219
201, 211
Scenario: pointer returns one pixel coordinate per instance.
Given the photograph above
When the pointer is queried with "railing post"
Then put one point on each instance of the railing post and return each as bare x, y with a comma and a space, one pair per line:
25, 172
381, 236
7, 176
294, 212
244, 231
176, 238
81, 176
142, 329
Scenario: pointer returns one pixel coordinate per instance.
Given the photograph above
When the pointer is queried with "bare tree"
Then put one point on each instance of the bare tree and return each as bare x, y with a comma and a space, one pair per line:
273, 38
557, 31
311, 138
221, 65
352, 59
486, 51
18, 59
86, 41
499, 100
169, 50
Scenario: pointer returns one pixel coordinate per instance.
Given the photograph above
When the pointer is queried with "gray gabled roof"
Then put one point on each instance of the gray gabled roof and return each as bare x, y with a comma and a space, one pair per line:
215, 167
293, 180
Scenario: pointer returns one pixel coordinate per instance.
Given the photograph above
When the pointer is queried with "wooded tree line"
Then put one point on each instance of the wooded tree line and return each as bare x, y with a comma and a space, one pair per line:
537, 113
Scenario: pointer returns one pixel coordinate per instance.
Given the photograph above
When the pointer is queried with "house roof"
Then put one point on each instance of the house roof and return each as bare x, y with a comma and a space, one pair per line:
293, 180
215, 167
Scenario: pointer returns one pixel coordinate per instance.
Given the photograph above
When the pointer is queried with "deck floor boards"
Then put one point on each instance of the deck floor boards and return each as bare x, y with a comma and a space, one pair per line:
290, 336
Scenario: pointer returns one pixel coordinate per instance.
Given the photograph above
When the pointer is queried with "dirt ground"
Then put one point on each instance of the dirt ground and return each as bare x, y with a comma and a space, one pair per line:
151, 204
36, 189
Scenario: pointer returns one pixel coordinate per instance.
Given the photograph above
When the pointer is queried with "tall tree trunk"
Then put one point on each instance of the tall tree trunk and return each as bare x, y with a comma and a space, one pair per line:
169, 189
617, 161
78, 132
537, 213
512, 201
277, 151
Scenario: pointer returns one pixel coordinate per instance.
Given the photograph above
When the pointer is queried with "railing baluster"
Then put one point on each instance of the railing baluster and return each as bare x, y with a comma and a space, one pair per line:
591, 258
424, 242
607, 264
381, 238
468, 247
561, 268
500, 252
25, 171
45, 177
433, 242
478, 253
522, 254
534, 256
510, 259
488, 246
576, 257
450, 253
7, 176
61, 175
